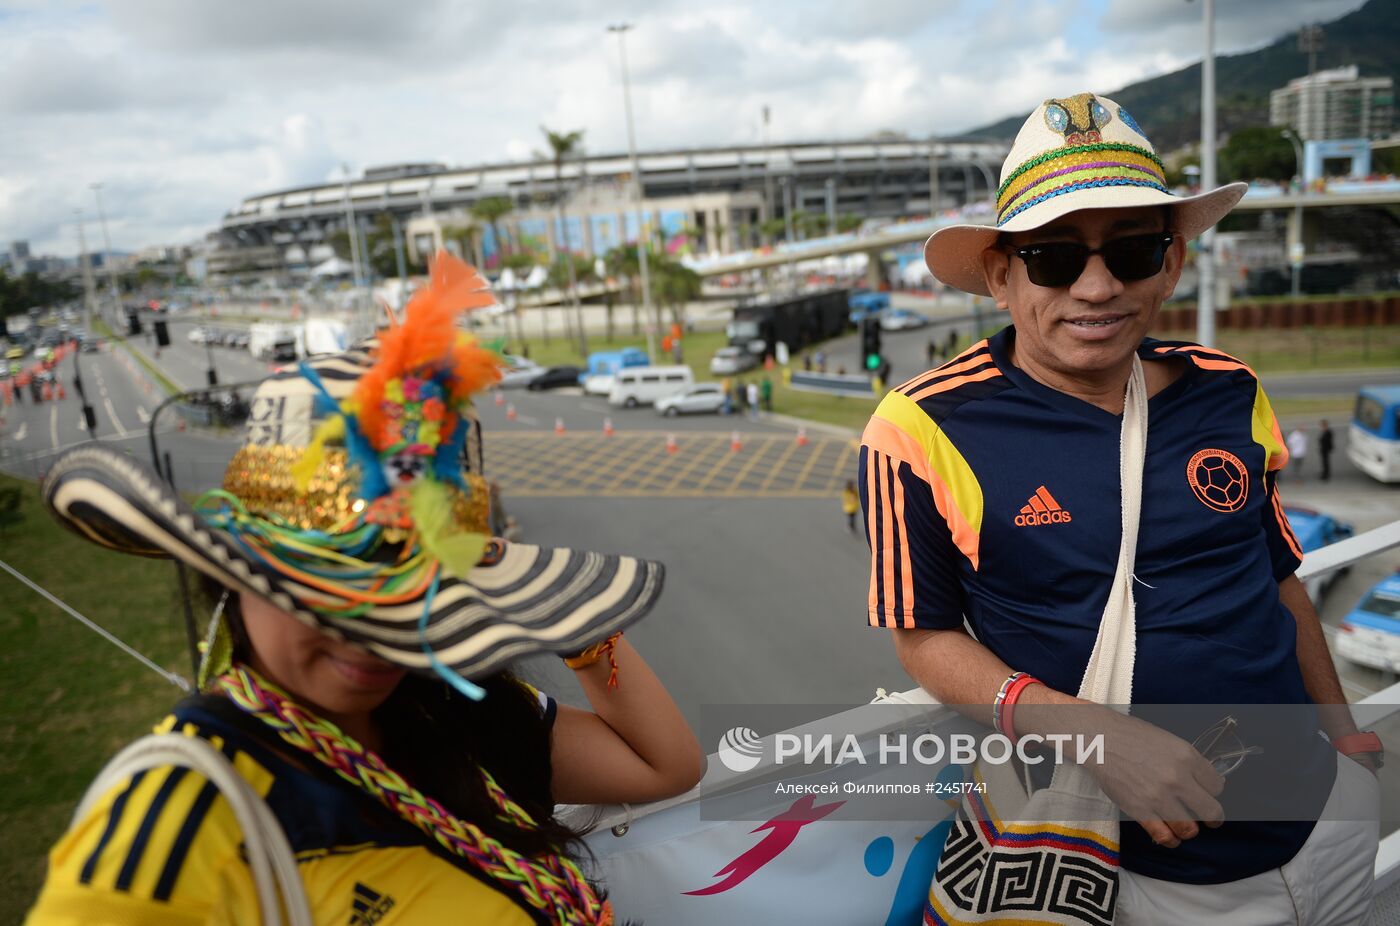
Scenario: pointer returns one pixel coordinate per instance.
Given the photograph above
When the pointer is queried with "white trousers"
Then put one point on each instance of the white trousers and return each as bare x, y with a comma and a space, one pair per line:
1328, 883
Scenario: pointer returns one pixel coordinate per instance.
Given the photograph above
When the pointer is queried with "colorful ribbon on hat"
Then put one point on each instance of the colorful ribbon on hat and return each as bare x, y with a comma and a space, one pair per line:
551, 884
1077, 167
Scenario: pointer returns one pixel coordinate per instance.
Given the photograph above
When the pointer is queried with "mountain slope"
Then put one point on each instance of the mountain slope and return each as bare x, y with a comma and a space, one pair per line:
1169, 107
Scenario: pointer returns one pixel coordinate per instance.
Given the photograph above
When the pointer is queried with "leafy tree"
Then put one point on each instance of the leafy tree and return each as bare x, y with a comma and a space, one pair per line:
491, 210
624, 262
468, 239
563, 145
673, 285
1258, 153
847, 222
19, 294
774, 229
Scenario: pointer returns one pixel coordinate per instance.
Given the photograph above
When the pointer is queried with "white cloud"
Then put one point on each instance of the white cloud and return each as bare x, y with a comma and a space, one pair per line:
182, 109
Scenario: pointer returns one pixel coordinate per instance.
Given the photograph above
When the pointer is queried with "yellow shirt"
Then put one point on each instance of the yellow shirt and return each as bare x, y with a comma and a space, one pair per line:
850, 501
164, 848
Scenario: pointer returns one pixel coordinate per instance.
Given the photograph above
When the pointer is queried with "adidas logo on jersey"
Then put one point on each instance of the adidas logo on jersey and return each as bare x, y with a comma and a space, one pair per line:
1042, 509
369, 906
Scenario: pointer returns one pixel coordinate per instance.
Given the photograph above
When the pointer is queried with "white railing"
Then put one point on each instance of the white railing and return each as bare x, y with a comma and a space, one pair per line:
868, 721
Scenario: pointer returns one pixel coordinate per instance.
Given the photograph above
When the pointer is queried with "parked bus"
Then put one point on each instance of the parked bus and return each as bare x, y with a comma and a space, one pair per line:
796, 320
1374, 440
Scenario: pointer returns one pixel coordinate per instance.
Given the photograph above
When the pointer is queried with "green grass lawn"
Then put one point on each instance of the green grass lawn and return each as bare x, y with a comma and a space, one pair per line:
69, 699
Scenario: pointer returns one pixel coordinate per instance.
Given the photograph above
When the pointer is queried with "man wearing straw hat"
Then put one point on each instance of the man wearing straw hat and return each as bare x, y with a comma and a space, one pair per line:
994, 491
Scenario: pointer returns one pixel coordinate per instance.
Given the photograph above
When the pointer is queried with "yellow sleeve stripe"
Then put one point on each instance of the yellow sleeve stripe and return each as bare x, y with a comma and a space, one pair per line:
901, 429
1267, 433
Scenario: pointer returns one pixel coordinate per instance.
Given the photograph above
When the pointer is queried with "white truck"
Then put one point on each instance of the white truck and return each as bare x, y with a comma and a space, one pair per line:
324, 336
272, 342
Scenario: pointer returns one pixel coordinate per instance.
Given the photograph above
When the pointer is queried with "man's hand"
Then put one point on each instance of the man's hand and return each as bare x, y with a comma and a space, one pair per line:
1158, 779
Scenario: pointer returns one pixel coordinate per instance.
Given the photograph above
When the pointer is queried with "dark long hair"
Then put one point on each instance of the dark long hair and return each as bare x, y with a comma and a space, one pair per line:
437, 739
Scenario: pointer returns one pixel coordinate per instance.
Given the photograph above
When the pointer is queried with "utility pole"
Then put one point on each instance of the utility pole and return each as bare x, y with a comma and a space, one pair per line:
352, 230
107, 255
89, 291
769, 207
932, 179
643, 233
1205, 261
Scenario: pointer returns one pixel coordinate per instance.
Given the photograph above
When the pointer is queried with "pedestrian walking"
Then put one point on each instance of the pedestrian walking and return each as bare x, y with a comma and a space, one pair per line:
821, 361
952, 342
1297, 450
806, 362
931, 352
765, 393
1324, 448
850, 504
753, 399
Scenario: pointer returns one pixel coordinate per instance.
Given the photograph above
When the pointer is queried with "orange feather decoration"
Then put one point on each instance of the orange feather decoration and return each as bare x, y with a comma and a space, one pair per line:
429, 342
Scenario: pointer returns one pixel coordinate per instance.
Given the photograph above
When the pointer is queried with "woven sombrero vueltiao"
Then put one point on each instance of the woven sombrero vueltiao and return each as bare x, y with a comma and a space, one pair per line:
1080, 152
510, 599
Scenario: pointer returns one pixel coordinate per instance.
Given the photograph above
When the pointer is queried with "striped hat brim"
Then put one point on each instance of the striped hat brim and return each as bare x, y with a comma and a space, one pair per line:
524, 600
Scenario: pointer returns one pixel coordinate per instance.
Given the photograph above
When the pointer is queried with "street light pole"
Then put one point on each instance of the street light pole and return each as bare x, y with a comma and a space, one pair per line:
89, 291
643, 236
352, 229
932, 179
107, 254
1295, 243
1205, 292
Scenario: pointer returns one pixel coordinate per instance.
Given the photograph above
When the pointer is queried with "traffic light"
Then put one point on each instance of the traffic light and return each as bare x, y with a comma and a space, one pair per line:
133, 323
162, 333
870, 342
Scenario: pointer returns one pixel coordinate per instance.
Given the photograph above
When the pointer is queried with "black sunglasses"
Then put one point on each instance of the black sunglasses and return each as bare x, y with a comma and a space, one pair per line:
1059, 263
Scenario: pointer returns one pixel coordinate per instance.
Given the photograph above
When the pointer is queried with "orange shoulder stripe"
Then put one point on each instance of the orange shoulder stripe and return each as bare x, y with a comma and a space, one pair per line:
960, 362
954, 383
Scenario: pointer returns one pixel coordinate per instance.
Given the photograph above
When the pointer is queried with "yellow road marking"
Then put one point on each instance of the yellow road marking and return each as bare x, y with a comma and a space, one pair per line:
840, 468
752, 462
692, 464
725, 458
782, 461
642, 459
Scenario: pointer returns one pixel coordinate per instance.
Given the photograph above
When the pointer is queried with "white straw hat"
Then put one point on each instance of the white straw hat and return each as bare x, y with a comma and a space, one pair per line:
1082, 152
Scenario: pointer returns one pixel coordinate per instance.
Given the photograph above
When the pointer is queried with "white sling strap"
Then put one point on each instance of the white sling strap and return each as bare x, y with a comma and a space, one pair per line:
270, 857
1108, 678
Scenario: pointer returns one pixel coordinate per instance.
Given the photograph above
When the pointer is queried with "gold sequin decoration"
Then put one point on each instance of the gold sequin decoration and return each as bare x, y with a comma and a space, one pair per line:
261, 477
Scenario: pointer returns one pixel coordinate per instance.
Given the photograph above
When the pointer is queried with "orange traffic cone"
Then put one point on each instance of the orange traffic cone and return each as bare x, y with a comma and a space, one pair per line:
671, 446
48, 392
500, 398
735, 445
607, 427
802, 437
558, 425
510, 413
62, 393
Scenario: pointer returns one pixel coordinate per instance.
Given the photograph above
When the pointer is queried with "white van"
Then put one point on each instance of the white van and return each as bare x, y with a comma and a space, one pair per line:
633, 386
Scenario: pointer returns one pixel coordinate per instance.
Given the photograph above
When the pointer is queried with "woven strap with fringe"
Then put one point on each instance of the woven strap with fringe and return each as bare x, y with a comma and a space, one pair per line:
551, 884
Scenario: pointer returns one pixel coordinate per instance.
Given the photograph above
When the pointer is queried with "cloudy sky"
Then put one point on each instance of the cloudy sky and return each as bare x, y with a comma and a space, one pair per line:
180, 108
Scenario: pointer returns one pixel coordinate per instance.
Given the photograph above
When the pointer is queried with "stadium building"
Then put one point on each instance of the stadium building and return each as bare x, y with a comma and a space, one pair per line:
709, 200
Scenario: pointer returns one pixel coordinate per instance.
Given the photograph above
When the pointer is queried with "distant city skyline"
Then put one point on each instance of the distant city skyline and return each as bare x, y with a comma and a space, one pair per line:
180, 111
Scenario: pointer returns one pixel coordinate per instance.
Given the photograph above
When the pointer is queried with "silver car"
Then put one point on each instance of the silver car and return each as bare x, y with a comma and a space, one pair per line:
700, 398
730, 360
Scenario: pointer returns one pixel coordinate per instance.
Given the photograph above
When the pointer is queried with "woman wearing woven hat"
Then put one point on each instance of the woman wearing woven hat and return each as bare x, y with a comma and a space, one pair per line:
1017, 490
354, 686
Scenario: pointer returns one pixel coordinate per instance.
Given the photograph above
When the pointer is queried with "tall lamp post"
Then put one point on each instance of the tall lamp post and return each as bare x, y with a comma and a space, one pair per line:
1205, 261
89, 292
107, 254
1295, 244
643, 235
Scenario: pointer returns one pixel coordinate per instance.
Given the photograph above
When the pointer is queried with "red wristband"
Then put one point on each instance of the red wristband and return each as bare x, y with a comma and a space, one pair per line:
1008, 704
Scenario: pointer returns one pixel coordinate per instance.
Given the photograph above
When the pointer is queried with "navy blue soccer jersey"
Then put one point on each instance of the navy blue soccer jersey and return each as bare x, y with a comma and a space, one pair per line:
993, 498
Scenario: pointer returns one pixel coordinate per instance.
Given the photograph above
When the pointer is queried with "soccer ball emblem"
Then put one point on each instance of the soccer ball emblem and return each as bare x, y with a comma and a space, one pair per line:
1219, 480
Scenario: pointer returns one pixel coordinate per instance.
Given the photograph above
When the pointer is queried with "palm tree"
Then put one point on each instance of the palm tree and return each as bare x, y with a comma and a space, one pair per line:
563, 145
468, 238
624, 262
491, 210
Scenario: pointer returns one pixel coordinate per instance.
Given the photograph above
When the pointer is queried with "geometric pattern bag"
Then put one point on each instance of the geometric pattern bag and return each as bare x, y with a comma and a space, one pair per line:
1051, 856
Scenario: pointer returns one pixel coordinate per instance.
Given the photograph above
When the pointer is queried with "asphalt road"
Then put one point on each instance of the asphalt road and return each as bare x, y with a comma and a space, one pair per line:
765, 595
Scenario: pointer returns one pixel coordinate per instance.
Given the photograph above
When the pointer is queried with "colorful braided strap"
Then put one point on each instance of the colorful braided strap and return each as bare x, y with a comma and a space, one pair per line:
551, 884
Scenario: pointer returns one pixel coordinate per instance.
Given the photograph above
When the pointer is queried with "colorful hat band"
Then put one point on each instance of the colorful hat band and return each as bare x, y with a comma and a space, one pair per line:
262, 478
1078, 167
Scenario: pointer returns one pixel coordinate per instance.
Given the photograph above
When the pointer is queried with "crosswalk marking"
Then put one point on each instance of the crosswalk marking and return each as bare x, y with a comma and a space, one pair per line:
636, 465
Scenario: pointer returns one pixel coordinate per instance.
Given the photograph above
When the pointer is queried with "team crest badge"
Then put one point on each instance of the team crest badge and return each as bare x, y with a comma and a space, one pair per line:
1219, 479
